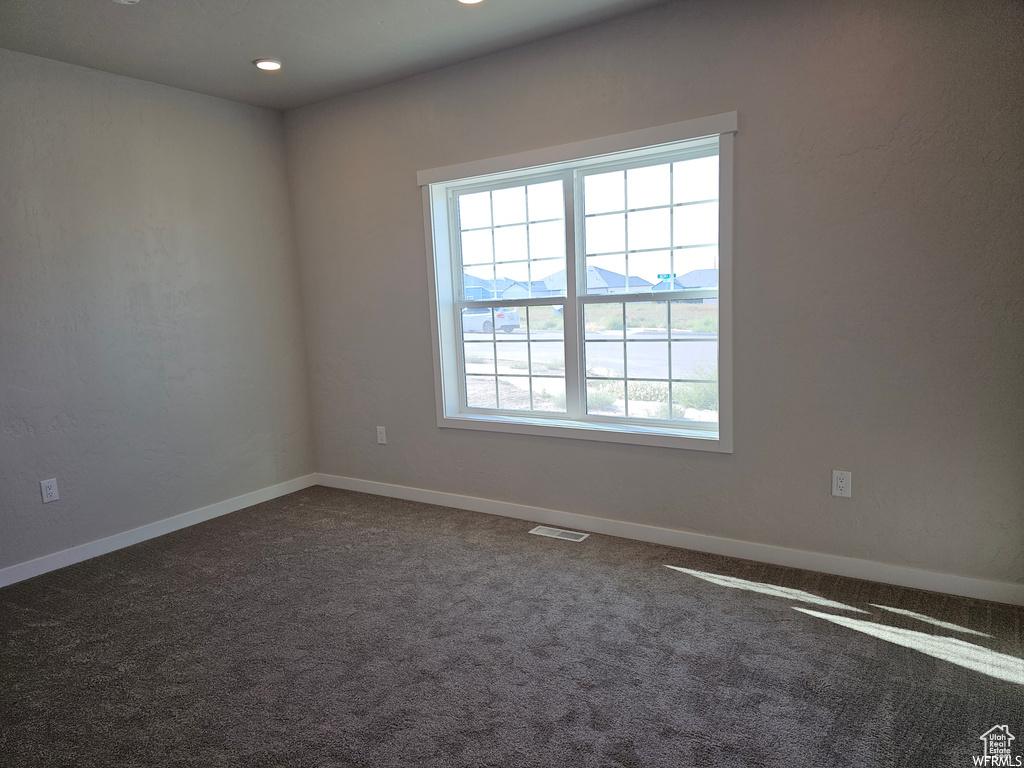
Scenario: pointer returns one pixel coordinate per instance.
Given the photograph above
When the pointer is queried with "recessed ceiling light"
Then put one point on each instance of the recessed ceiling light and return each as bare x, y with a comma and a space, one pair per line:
464, 2
270, 65
126, 2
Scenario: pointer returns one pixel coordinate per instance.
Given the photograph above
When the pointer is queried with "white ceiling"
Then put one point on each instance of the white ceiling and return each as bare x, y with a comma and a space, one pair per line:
329, 47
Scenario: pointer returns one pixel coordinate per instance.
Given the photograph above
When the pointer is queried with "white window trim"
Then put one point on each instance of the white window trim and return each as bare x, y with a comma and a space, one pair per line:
442, 302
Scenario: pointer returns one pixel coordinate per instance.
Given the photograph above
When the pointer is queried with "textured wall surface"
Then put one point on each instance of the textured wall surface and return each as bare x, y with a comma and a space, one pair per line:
878, 272
151, 349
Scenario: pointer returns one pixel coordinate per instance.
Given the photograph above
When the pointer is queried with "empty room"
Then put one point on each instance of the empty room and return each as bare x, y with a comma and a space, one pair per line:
511, 383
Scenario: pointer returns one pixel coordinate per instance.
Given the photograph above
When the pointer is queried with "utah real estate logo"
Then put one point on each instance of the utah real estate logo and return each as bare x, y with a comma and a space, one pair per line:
998, 748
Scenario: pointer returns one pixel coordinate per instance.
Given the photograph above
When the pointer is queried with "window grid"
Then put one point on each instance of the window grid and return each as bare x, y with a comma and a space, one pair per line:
581, 298
669, 340
521, 223
672, 247
671, 206
495, 344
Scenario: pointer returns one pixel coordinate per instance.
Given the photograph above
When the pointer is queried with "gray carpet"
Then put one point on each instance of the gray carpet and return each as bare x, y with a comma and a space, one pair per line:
330, 628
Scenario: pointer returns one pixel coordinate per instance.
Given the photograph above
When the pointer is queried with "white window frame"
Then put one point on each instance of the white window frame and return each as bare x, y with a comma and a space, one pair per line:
563, 162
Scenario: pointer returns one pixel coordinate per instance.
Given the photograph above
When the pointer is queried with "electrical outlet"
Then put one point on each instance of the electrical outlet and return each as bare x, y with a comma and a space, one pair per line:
382, 436
49, 489
842, 483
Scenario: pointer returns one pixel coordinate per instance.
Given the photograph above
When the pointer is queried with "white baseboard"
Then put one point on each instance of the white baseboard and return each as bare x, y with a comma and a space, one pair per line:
40, 565
996, 591
868, 570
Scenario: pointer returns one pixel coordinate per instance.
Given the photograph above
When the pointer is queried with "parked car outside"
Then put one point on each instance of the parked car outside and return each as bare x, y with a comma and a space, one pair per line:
479, 320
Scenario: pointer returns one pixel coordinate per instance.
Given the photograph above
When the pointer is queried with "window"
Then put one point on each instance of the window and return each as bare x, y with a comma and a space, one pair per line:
585, 291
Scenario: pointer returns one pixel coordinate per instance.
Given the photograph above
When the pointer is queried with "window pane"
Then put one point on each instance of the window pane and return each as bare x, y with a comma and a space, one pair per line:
477, 324
603, 321
475, 210
512, 357
604, 192
696, 224
547, 278
546, 323
647, 320
606, 398
476, 247
514, 393
606, 274
525, 369
648, 399
647, 187
509, 205
516, 260
606, 234
647, 359
510, 244
549, 395
604, 359
695, 360
480, 392
546, 201
478, 282
694, 317
509, 273
479, 357
547, 240
690, 259
547, 358
695, 180
649, 229
507, 320
694, 402
649, 271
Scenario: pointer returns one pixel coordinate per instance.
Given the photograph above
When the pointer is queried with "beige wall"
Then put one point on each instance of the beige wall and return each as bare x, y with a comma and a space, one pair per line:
878, 272
151, 350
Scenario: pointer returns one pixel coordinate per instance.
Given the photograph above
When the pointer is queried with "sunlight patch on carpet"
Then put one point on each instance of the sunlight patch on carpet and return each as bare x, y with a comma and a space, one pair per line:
767, 589
930, 620
951, 649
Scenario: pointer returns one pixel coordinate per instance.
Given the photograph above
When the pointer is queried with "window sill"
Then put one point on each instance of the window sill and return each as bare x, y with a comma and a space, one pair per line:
695, 439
